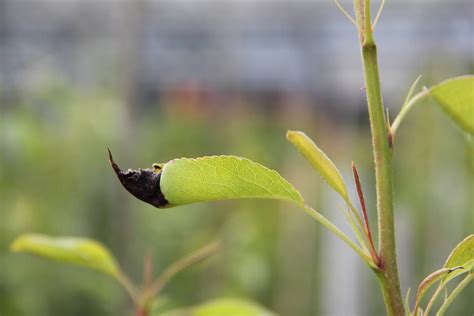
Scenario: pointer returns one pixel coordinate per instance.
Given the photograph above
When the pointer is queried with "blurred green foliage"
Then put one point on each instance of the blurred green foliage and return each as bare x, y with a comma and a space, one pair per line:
56, 180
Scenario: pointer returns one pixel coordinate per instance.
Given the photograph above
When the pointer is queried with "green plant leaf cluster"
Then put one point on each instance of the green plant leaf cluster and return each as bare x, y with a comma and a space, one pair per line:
331, 175
191, 180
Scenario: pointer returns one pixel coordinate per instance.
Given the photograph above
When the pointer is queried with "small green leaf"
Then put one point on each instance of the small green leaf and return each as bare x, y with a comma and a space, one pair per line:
318, 159
462, 255
80, 251
185, 181
456, 97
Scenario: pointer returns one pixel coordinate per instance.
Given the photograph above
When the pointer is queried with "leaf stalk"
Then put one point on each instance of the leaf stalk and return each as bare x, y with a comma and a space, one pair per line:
333, 228
180, 265
406, 108
455, 293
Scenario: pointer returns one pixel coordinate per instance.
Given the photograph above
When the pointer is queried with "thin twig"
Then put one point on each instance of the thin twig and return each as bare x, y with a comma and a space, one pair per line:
128, 285
339, 5
417, 98
180, 265
387, 117
379, 12
333, 228
355, 215
432, 300
357, 230
411, 91
148, 270
454, 294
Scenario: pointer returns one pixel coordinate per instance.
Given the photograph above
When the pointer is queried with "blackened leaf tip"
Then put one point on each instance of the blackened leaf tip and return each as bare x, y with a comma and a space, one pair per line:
144, 184
114, 165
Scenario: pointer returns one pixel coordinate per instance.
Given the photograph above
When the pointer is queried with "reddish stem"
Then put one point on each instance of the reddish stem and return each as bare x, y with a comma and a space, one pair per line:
148, 270
141, 312
368, 232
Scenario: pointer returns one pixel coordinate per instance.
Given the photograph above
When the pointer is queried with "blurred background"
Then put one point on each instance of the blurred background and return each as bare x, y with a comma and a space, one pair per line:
159, 79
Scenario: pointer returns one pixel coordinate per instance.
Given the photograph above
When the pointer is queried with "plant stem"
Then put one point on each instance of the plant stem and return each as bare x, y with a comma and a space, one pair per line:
331, 227
454, 294
141, 312
388, 272
407, 107
180, 265
432, 301
128, 286
132, 292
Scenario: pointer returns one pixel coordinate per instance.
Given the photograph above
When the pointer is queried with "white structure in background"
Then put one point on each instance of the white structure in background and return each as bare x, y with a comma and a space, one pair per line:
243, 45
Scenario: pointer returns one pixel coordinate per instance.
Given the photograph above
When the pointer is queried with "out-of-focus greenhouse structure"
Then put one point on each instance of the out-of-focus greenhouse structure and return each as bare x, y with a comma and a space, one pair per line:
251, 46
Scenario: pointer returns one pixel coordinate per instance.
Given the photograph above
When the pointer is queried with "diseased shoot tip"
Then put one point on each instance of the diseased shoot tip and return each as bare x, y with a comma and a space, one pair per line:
144, 184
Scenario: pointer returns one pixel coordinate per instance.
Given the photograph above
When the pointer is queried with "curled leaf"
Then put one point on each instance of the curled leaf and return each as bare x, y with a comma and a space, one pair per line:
80, 251
190, 180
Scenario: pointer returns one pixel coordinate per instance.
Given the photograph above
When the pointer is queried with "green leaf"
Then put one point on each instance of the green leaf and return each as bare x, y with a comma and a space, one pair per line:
221, 307
456, 97
185, 181
318, 159
462, 255
80, 251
